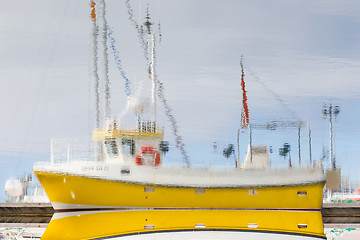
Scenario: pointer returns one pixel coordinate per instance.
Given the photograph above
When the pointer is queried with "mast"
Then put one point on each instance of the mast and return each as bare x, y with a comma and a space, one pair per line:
250, 144
151, 63
331, 139
299, 143
245, 110
237, 164
94, 64
105, 62
309, 130
331, 111
94, 68
152, 78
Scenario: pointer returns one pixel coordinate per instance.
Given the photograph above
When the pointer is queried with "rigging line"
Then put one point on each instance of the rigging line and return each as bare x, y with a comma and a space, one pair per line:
118, 60
169, 114
174, 126
159, 25
277, 96
138, 28
160, 87
168, 111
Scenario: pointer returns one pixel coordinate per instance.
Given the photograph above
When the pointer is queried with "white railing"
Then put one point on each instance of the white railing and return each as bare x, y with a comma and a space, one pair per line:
67, 150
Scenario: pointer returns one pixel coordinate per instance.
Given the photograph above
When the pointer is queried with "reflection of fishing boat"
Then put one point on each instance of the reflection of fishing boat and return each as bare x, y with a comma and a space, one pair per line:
128, 178
187, 224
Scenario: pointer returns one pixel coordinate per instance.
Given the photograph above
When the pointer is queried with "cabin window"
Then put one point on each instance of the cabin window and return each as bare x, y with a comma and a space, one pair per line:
111, 147
128, 146
125, 171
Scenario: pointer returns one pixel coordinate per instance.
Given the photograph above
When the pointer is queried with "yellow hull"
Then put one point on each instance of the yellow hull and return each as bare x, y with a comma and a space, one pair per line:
78, 190
126, 223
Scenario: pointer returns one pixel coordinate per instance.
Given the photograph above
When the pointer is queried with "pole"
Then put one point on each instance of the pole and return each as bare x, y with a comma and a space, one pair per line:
152, 78
250, 140
52, 158
332, 160
299, 146
238, 149
308, 126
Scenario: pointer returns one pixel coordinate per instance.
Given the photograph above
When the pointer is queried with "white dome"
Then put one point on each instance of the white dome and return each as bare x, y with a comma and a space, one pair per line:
14, 188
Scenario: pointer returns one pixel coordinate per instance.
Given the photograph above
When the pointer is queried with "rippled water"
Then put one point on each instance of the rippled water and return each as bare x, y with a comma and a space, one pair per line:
300, 57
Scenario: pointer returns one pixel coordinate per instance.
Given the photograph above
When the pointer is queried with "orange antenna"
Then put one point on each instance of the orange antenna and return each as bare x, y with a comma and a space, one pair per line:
92, 14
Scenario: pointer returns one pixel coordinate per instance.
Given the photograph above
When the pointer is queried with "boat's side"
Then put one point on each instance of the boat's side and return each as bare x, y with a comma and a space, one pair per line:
68, 191
144, 224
